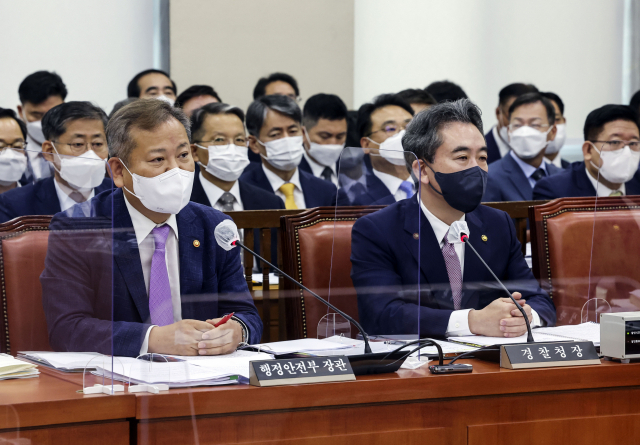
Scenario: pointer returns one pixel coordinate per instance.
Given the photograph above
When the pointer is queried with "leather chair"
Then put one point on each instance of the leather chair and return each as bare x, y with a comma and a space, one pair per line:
308, 240
573, 271
23, 247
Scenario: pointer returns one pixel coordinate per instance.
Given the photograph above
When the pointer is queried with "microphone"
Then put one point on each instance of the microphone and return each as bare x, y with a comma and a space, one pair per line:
459, 231
226, 234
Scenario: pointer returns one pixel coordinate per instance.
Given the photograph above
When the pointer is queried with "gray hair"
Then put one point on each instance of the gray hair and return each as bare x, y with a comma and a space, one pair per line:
257, 112
144, 114
423, 138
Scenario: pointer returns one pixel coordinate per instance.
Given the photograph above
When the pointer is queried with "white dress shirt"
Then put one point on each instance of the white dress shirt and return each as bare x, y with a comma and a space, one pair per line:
38, 167
66, 202
276, 182
214, 193
503, 146
146, 245
529, 170
393, 184
317, 169
601, 189
459, 320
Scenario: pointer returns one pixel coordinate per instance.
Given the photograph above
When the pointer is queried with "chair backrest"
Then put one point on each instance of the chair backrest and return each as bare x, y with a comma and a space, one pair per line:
316, 250
23, 248
574, 269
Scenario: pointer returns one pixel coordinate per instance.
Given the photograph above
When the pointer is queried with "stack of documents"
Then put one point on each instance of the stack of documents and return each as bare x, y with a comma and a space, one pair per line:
303, 345
65, 361
10, 368
357, 347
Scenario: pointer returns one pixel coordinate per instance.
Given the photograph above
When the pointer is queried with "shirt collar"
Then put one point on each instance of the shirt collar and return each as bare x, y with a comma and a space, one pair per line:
66, 202
527, 169
316, 168
214, 192
143, 225
391, 182
276, 181
440, 228
601, 189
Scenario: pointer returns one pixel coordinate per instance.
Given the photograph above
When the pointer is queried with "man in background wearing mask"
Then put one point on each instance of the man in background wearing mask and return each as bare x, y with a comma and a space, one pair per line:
531, 128
381, 125
552, 153
275, 134
411, 238
13, 157
39, 92
325, 131
196, 96
611, 155
153, 84
76, 146
164, 254
497, 137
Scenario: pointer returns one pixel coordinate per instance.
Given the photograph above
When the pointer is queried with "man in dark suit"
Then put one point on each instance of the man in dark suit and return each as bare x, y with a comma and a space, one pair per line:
149, 275
13, 150
552, 153
76, 147
409, 241
497, 137
611, 155
531, 129
275, 134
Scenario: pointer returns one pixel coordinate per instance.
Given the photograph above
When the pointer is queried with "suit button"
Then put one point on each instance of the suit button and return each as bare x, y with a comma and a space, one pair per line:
457, 325
416, 236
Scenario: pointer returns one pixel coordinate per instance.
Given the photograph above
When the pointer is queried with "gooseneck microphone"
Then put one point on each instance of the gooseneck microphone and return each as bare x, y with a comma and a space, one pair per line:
460, 230
227, 236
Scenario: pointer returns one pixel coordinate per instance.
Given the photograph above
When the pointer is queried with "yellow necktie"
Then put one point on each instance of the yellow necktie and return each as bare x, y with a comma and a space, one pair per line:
616, 193
287, 191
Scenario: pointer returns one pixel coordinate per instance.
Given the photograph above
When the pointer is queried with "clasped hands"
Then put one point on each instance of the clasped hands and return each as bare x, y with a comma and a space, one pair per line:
194, 337
501, 318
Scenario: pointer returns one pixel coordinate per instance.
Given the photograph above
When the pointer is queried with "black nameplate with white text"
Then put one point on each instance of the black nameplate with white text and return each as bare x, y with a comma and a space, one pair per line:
543, 355
300, 370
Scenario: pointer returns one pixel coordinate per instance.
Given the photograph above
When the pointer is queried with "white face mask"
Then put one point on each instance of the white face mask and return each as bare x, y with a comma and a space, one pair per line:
618, 166
82, 173
34, 130
13, 163
166, 99
391, 149
528, 142
285, 153
503, 132
169, 192
325, 154
556, 144
226, 162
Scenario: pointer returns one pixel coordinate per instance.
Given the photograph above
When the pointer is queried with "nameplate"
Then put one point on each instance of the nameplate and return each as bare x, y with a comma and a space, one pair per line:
547, 355
300, 370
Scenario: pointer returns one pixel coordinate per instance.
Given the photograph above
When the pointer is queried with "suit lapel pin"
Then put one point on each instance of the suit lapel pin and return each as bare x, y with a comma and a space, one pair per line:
484, 238
196, 243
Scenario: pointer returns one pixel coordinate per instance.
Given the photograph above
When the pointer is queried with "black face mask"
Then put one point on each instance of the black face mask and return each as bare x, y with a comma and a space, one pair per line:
462, 190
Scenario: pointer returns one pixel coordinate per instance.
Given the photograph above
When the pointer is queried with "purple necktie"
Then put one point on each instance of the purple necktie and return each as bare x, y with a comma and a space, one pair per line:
454, 271
160, 306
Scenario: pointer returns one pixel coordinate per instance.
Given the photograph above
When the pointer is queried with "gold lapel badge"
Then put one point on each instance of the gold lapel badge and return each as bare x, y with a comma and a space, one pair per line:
484, 238
196, 243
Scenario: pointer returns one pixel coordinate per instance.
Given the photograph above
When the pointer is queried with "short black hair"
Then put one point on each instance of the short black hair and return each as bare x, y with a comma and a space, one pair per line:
352, 129
445, 91
41, 85
532, 98
555, 98
261, 86
598, 118
133, 89
121, 104
54, 122
515, 90
9, 113
323, 106
258, 111
417, 96
195, 91
635, 101
199, 116
366, 110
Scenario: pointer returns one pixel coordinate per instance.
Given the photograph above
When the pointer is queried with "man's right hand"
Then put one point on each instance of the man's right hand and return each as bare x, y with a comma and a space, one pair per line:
487, 321
179, 338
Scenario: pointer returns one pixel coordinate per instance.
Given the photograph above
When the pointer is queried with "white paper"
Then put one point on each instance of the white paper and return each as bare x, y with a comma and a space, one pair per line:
64, 360
586, 331
236, 363
480, 340
301, 345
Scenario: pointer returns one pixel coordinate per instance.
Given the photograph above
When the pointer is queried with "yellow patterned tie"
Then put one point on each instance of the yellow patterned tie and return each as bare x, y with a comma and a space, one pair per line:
287, 191
616, 193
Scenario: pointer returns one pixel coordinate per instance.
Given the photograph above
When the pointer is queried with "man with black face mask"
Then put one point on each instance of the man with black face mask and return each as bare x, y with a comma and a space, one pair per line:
392, 247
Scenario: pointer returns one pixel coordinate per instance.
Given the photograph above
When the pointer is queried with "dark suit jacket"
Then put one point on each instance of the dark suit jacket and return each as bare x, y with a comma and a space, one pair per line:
93, 268
387, 261
573, 183
565, 164
253, 198
507, 182
36, 199
317, 192
493, 152
305, 167
376, 190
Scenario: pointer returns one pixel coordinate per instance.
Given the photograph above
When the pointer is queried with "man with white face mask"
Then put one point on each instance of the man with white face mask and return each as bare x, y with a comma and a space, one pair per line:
153, 84
552, 153
170, 282
531, 128
13, 157
220, 150
76, 146
325, 131
611, 154
275, 133
39, 92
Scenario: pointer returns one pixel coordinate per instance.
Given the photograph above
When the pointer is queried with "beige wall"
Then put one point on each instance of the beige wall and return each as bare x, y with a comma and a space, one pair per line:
231, 44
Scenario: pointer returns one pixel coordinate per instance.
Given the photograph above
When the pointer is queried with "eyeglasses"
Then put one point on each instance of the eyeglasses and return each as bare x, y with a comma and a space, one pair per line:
16, 145
78, 148
222, 142
390, 130
617, 145
539, 127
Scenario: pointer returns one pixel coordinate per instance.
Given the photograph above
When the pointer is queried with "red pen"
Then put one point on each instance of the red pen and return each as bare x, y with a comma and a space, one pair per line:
224, 320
